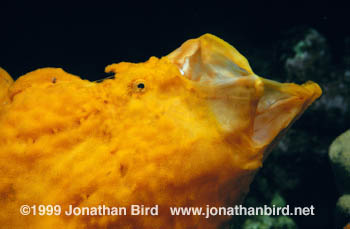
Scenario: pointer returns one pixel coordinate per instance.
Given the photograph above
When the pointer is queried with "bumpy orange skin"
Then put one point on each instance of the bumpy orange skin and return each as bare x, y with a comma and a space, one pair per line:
66, 141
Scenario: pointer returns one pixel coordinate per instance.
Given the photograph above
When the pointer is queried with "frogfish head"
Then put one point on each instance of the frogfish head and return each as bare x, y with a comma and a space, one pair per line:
206, 86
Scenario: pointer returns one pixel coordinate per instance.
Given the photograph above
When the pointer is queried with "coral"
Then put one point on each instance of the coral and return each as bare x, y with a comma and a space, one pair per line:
311, 57
280, 222
343, 211
339, 154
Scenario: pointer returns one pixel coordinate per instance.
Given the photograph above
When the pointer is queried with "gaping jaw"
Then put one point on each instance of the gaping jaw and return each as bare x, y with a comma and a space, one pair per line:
242, 101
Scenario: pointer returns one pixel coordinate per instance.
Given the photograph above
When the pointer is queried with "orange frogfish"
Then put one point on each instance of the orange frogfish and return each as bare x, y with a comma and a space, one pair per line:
190, 129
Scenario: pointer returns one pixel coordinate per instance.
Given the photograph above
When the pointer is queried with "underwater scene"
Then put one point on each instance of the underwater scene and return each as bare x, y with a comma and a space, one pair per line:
164, 116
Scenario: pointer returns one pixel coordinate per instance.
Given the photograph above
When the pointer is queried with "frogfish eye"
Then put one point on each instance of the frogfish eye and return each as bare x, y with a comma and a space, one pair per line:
139, 86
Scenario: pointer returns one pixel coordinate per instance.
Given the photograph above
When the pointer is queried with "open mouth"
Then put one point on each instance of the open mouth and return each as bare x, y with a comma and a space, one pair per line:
241, 100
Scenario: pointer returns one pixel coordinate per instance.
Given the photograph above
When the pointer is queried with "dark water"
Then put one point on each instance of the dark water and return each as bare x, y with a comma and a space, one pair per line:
84, 39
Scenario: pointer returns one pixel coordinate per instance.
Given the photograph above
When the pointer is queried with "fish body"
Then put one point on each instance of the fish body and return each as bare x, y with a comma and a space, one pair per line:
188, 129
